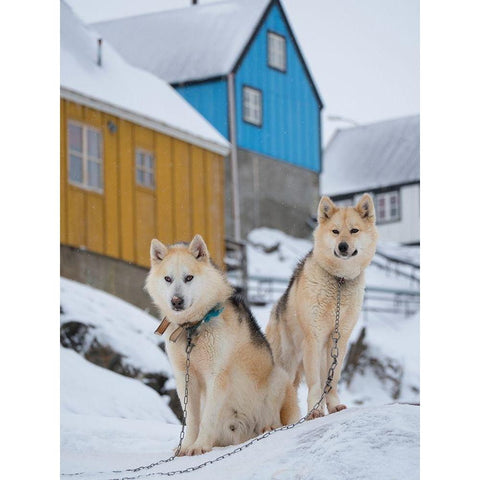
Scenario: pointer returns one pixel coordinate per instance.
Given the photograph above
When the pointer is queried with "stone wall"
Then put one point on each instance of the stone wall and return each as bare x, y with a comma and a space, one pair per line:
122, 279
273, 193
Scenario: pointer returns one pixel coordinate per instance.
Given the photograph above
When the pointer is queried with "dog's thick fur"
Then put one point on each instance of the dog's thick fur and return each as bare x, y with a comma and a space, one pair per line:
235, 390
301, 323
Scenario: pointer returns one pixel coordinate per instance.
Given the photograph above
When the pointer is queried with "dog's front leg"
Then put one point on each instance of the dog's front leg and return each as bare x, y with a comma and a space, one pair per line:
333, 401
193, 410
215, 397
312, 348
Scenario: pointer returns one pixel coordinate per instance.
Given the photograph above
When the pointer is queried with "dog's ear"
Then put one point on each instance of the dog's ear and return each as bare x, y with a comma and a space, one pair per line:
366, 208
198, 248
158, 251
326, 208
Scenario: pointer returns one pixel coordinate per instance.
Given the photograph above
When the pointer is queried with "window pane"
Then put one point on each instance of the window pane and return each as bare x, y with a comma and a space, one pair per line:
393, 205
75, 169
139, 157
149, 180
140, 180
93, 143
276, 51
149, 162
75, 137
252, 106
381, 208
94, 174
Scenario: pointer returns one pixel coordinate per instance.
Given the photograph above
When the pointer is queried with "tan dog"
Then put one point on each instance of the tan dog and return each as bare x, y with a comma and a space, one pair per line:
235, 389
301, 322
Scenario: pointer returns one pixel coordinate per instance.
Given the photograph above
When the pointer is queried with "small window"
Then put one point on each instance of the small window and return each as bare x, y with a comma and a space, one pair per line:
277, 51
85, 162
252, 106
388, 206
145, 168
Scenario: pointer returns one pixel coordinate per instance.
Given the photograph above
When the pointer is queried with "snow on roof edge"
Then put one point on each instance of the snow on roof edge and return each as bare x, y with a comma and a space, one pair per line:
126, 91
143, 120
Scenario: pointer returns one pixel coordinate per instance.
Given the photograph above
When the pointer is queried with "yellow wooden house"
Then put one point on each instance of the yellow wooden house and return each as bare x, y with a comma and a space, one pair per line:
137, 161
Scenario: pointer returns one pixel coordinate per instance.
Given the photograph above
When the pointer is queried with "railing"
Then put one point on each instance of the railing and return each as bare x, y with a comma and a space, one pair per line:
236, 263
265, 289
397, 266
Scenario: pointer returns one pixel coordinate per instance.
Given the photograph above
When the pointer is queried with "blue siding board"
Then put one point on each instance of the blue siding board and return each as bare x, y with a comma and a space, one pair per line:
291, 114
211, 100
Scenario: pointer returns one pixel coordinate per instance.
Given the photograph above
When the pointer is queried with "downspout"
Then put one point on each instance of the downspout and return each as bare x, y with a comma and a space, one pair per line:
233, 157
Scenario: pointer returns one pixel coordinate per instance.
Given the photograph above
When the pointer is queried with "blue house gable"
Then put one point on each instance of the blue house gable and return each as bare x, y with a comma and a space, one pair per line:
290, 108
290, 129
196, 48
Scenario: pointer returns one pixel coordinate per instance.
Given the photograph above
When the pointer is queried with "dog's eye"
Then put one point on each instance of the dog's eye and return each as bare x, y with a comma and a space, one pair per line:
354, 230
336, 232
188, 278
168, 279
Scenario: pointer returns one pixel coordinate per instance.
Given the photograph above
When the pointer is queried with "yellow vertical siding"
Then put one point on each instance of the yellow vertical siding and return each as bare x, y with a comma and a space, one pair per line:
214, 200
145, 214
121, 221
75, 197
182, 191
95, 201
63, 175
220, 193
111, 188
164, 187
125, 192
199, 223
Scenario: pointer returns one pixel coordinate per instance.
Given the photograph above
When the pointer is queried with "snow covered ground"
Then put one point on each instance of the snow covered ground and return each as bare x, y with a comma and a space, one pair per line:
356, 444
112, 422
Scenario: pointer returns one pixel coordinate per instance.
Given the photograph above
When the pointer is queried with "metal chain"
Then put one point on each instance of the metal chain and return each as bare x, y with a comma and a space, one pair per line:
334, 352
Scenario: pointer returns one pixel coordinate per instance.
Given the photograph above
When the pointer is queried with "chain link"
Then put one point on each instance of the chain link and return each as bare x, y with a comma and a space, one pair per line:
334, 352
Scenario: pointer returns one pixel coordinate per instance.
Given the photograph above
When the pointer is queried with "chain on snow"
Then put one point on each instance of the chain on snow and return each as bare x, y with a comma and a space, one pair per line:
328, 387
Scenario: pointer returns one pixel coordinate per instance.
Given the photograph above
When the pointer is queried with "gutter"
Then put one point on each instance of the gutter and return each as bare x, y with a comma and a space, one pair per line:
145, 121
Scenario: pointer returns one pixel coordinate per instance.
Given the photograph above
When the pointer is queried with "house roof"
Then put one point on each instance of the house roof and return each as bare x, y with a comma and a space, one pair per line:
192, 43
118, 88
372, 156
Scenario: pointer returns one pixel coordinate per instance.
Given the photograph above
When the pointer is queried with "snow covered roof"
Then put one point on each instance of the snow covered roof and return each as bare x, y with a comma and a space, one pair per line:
118, 88
372, 156
192, 43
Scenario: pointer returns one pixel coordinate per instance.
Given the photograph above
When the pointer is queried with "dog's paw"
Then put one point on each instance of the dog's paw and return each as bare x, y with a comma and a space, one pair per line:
337, 408
194, 450
315, 414
268, 428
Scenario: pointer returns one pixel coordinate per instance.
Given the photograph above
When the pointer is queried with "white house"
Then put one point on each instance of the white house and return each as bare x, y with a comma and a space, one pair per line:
383, 159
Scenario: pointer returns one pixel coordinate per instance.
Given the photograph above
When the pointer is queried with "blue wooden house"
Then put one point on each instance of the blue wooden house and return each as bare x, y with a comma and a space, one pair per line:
239, 64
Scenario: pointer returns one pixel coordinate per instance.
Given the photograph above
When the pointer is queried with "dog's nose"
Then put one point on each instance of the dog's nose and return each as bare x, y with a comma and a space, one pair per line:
343, 247
177, 302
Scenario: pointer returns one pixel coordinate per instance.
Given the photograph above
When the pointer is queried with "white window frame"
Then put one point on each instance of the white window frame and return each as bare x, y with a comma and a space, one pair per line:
85, 156
385, 215
141, 152
277, 51
252, 105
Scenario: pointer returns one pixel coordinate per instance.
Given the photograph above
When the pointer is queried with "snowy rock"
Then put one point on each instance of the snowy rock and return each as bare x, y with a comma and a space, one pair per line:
115, 335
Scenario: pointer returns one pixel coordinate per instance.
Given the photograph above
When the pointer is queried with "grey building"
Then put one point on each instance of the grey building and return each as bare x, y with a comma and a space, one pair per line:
383, 159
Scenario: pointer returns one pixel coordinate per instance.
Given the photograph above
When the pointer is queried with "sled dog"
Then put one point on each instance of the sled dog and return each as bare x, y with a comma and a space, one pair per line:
235, 391
301, 322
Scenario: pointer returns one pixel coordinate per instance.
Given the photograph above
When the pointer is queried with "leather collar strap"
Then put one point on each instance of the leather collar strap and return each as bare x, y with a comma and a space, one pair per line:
214, 312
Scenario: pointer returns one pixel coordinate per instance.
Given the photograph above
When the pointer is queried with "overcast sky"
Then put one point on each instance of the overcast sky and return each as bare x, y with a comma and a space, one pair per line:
363, 54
